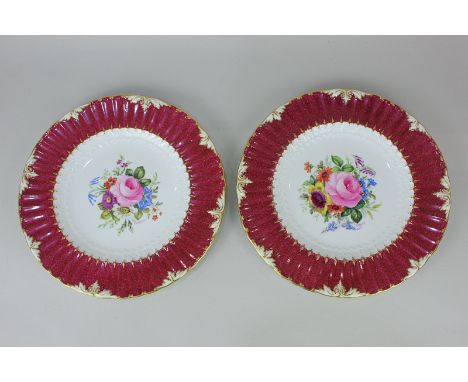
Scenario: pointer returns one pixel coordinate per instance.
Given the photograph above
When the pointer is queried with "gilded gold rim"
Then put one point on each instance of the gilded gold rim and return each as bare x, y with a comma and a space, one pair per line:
256, 246
215, 231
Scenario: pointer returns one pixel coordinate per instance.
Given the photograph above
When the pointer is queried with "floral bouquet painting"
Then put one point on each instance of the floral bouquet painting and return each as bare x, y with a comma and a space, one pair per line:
125, 196
340, 191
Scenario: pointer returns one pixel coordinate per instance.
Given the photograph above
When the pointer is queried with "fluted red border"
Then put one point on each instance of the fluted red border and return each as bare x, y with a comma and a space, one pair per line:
369, 275
207, 185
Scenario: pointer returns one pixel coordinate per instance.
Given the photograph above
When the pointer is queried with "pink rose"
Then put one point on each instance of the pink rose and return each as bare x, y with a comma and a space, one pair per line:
344, 189
128, 191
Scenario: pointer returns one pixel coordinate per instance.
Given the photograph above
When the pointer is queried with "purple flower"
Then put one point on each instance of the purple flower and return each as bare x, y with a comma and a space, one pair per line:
358, 161
108, 200
122, 163
368, 171
318, 199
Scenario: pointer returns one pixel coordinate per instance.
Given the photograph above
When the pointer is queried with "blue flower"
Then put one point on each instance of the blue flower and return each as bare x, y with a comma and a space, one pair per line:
92, 198
371, 182
146, 201
94, 181
351, 226
330, 227
365, 191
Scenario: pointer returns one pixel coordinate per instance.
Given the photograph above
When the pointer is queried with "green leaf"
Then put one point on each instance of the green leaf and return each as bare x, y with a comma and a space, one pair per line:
101, 206
360, 204
106, 215
114, 218
129, 172
337, 160
145, 182
312, 180
356, 216
336, 169
139, 172
138, 214
348, 168
370, 214
346, 212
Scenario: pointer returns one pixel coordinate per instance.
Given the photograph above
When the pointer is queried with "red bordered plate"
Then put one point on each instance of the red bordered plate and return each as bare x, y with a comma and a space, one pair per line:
122, 196
343, 193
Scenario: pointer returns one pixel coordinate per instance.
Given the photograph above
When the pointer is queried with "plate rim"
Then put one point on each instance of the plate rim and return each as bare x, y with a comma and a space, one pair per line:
338, 290
94, 289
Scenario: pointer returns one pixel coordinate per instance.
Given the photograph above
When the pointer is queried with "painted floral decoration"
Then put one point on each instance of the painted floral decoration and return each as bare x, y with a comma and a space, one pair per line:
125, 197
340, 191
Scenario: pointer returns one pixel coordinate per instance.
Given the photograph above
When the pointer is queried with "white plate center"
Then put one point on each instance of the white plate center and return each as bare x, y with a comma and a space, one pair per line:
343, 190
122, 194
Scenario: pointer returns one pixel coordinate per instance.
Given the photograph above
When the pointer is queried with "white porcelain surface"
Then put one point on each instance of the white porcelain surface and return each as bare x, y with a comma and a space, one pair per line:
79, 220
394, 190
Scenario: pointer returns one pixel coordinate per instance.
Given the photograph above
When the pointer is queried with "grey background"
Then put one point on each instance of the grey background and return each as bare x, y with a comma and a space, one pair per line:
229, 84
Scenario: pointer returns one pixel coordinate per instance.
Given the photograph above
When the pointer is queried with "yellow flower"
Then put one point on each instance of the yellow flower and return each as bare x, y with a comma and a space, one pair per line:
318, 198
